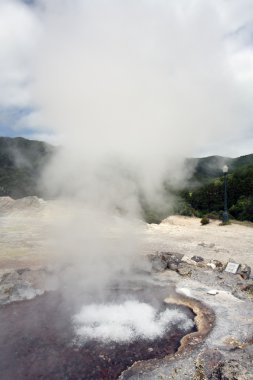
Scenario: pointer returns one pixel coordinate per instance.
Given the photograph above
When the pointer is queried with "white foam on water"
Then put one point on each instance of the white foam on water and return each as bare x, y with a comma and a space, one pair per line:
128, 321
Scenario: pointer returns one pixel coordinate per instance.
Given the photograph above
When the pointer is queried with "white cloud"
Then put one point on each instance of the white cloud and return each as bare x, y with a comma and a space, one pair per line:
138, 73
19, 29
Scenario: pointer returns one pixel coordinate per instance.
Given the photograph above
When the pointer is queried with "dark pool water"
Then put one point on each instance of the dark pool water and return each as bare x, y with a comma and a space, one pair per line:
36, 342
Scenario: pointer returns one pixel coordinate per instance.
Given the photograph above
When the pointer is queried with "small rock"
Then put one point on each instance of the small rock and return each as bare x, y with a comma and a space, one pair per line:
22, 270
167, 255
245, 271
216, 265
205, 245
173, 266
212, 292
172, 259
208, 365
198, 259
248, 289
184, 270
188, 260
211, 265
219, 265
158, 264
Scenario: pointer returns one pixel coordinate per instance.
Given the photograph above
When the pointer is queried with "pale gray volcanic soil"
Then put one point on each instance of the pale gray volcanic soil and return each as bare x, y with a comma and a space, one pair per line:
26, 229
25, 243
23, 232
186, 235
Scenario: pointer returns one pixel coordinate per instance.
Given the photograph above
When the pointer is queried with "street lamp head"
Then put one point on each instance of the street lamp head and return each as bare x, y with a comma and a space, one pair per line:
225, 169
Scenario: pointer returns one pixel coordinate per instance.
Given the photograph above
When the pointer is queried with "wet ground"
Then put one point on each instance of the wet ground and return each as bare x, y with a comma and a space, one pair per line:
37, 341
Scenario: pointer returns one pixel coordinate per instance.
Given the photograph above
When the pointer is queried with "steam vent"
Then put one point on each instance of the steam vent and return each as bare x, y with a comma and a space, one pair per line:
168, 314
126, 189
42, 338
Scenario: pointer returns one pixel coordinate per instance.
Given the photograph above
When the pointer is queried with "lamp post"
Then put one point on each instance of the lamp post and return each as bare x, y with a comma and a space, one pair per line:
225, 213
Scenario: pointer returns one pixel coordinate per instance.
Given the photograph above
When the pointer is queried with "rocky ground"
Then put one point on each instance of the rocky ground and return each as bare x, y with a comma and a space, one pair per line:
227, 351
191, 257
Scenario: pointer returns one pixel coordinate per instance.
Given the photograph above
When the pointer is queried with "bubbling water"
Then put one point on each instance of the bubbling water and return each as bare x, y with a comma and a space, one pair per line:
126, 322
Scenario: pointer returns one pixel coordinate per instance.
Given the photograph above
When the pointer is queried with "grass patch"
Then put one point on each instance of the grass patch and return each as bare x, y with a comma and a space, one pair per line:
228, 223
243, 223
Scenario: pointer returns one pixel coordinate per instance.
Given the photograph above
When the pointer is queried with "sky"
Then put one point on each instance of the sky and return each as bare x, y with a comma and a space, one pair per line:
187, 62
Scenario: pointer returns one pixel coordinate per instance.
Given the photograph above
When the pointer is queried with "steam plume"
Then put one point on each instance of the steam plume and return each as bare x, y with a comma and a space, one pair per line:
130, 88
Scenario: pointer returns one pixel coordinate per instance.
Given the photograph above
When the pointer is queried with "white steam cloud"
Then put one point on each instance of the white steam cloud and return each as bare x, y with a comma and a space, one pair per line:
126, 322
145, 79
130, 88
135, 86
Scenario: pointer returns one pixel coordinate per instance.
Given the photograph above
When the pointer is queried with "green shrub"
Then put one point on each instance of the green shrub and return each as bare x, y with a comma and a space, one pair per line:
243, 209
198, 213
225, 223
213, 215
183, 208
152, 217
204, 221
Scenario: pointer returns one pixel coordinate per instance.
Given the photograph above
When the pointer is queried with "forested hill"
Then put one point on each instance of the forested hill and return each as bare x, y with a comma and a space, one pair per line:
21, 162
205, 192
208, 168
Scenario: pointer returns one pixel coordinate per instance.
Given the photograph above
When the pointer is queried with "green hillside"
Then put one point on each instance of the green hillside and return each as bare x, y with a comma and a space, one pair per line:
21, 162
209, 198
208, 168
204, 192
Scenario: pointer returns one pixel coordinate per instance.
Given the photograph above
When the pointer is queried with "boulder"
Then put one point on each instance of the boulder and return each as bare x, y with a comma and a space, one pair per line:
172, 259
212, 365
163, 260
17, 286
158, 264
244, 271
208, 365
